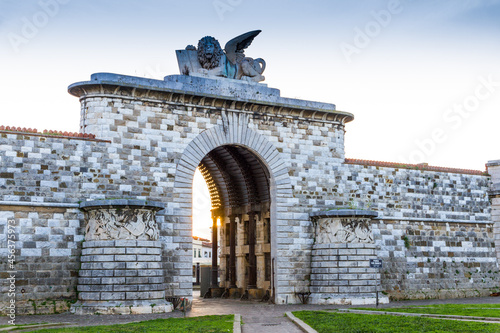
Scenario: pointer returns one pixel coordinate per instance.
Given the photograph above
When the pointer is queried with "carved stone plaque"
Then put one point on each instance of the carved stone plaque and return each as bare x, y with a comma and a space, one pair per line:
113, 221
343, 230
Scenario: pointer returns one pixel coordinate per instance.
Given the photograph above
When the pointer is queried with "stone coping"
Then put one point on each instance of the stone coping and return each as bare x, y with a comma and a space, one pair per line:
302, 325
83, 136
39, 204
121, 307
220, 93
344, 213
121, 243
224, 86
493, 163
121, 203
421, 167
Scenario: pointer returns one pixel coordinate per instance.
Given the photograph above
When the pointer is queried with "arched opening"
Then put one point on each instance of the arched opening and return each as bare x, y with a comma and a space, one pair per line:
202, 230
239, 188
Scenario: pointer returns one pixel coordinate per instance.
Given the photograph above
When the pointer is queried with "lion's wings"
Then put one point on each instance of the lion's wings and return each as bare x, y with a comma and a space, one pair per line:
239, 43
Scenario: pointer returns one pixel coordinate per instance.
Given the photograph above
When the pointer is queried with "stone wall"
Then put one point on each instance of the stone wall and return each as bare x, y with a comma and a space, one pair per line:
434, 230
150, 139
47, 256
412, 191
425, 259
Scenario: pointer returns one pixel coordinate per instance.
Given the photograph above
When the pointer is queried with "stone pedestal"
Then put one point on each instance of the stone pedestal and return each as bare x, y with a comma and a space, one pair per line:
122, 275
340, 267
235, 292
256, 293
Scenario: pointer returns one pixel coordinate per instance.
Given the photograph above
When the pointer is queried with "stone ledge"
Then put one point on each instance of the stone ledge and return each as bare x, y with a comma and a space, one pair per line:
342, 212
39, 204
121, 203
339, 246
347, 299
493, 163
205, 92
131, 246
121, 307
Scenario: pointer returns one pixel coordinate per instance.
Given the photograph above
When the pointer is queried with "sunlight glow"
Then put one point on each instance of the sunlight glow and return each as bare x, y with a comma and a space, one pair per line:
202, 215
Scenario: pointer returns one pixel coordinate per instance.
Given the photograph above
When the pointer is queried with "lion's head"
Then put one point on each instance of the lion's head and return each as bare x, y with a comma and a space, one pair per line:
209, 52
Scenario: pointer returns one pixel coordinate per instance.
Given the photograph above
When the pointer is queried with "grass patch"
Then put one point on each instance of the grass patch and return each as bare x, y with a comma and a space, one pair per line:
205, 324
474, 310
325, 322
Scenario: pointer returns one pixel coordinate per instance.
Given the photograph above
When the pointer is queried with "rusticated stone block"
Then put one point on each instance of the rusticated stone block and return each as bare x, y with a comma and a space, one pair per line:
89, 296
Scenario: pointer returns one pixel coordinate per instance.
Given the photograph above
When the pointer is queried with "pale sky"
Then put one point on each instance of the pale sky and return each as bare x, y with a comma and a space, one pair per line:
422, 78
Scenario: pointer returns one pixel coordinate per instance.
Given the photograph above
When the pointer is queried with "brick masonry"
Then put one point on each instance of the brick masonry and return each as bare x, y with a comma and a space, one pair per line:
148, 142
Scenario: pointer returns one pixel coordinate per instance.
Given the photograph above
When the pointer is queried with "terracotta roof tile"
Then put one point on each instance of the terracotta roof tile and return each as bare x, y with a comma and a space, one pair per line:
421, 166
46, 132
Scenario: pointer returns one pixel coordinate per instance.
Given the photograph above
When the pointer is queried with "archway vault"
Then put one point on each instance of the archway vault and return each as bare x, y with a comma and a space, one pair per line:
242, 169
233, 131
235, 177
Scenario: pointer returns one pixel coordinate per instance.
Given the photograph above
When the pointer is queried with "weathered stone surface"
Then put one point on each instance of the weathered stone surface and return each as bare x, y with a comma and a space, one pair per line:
122, 307
436, 260
153, 134
121, 220
343, 230
114, 279
340, 263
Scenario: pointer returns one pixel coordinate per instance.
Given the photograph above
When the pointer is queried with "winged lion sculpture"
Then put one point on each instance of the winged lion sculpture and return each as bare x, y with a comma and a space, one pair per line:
209, 59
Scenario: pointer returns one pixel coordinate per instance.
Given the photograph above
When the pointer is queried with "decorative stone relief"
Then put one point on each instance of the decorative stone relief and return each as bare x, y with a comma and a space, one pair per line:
343, 230
121, 219
130, 223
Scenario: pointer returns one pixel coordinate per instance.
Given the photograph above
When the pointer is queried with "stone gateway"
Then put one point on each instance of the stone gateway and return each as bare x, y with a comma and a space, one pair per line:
103, 218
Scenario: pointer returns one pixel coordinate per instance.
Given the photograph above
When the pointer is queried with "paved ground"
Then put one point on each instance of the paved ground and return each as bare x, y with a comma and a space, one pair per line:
256, 316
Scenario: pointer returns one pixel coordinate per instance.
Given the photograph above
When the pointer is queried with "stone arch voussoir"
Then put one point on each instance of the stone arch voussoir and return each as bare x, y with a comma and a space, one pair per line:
234, 130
